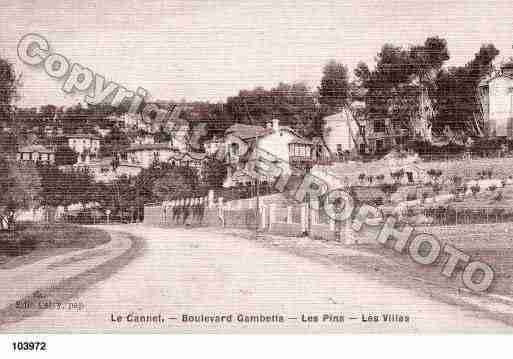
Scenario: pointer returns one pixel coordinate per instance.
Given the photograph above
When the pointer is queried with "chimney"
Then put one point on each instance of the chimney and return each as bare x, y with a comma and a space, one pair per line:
276, 124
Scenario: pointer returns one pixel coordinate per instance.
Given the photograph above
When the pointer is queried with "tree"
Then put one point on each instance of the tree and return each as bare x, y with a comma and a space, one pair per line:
214, 174
294, 104
9, 82
334, 88
179, 182
20, 186
455, 92
65, 156
399, 86
115, 142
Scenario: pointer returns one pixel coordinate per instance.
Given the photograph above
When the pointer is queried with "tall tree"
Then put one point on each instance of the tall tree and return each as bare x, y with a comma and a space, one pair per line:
20, 186
334, 88
399, 85
294, 104
456, 92
179, 182
9, 82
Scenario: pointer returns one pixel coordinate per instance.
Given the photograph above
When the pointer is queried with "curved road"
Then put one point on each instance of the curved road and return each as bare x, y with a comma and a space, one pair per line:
185, 271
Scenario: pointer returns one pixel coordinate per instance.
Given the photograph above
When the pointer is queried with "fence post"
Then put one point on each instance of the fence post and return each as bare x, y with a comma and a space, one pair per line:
272, 214
349, 237
220, 211
262, 217
289, 214
210, 197
303, 218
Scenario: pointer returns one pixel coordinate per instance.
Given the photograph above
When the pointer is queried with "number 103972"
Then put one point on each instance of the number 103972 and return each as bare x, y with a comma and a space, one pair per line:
29, 346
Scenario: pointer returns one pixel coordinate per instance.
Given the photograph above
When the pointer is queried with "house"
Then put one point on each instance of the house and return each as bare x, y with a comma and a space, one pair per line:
496, 95
342, 134
108, 169
383, 135
280, 144
86, 145
194, 160
36, 153
179, 130
146, 154
212, 146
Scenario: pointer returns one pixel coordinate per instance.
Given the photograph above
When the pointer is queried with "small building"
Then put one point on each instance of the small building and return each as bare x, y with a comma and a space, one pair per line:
86, 145
36, 153
108, 169
496, 94
342, 134
212, 146
146, 154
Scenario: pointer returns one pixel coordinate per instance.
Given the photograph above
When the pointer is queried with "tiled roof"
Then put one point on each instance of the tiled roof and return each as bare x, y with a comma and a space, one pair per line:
151, 146
300, 140
248, 131
197, 156
35, 148
83, 135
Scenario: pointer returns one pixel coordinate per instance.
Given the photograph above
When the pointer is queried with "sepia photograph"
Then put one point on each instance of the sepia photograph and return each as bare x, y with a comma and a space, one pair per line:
255, 167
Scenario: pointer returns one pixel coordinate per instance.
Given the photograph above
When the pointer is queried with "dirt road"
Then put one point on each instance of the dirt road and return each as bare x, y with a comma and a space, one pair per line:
201, 273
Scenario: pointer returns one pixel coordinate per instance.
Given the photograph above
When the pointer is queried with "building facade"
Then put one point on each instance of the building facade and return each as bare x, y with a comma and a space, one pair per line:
496, 95
36, 153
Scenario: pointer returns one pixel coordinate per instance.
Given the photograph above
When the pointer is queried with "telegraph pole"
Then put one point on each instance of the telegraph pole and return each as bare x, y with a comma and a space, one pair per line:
257, 185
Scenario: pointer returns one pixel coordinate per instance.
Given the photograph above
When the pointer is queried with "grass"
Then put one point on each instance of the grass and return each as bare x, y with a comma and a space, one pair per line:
30, 242
488, 243
72, 287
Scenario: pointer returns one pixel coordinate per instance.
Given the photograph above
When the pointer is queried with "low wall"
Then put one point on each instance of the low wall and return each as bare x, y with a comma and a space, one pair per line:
286, 229
322, 231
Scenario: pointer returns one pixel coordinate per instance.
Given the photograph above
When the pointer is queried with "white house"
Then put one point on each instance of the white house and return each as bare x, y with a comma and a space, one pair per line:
86, 145
341, 133
103, 169
279, 144
146, 154
496, 94
36, 153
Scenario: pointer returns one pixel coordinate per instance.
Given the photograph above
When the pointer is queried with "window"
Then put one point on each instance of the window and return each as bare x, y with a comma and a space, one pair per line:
235, 149
379, 126
339, 148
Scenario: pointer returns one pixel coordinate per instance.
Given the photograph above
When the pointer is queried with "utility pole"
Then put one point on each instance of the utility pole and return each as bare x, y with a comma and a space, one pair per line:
257, 185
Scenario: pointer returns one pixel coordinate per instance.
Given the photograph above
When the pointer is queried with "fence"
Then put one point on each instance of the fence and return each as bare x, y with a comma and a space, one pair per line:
275, 214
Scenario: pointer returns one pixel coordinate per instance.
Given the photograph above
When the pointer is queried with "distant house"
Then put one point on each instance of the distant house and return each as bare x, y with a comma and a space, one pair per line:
496, 94
342, 134
146, 154
86, 145
108, 169
36, 153
212, 146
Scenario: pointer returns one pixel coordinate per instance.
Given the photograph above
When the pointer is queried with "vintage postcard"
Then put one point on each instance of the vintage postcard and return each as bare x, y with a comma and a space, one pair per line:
256, 167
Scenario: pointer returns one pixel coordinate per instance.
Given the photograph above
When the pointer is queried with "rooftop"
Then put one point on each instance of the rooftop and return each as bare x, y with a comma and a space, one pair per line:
151, 146
35, 148
248, 131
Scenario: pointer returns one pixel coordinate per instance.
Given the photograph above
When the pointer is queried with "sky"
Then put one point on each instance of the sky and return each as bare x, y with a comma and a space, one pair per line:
208, 50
